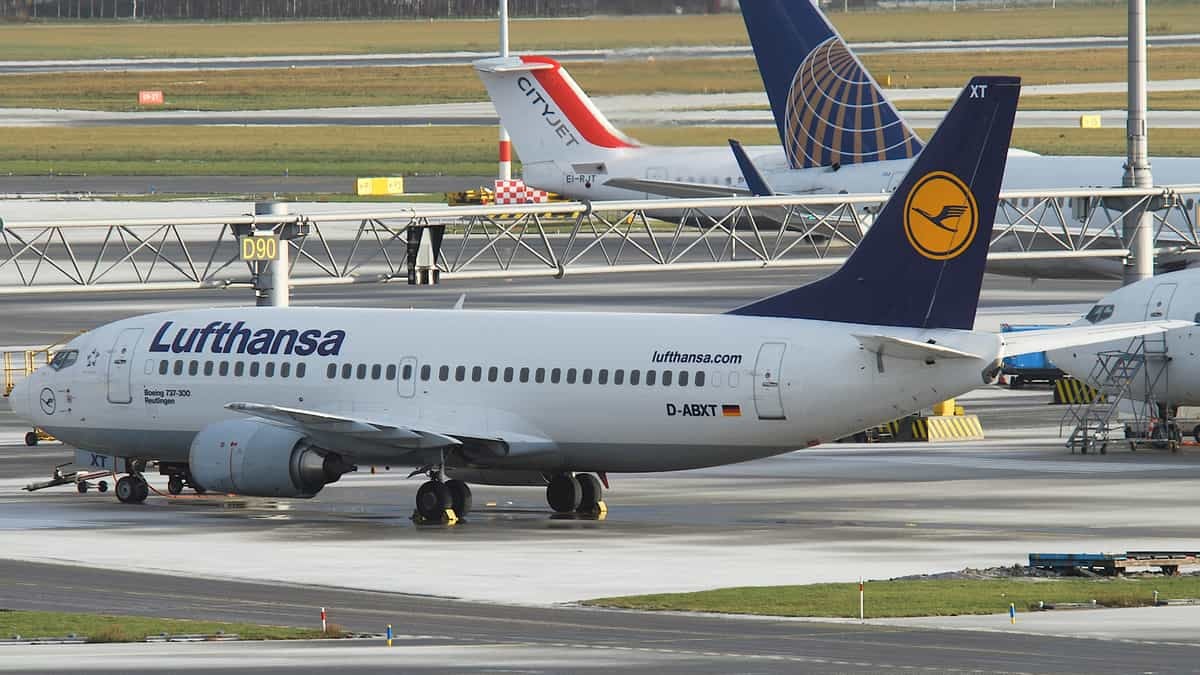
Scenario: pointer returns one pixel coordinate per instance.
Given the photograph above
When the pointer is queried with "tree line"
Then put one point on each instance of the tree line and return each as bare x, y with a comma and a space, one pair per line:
166, 10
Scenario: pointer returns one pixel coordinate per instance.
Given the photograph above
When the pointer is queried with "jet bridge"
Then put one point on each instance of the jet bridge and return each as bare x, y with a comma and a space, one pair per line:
1072, 233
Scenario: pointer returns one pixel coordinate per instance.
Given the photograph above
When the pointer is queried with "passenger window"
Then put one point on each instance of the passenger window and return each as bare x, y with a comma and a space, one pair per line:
716, 378
285, 369
602, 376
493, 374
254, 369
376, 371
164, 365
699, 378
508, 374
618, 377
179, 367
683, 378
391, 372
539, 375
347, 371
666, 379
208, 368
269, 369
406, 372
239, 369
555, 375
301, 369
426, 373
361, 371
444, 373
460, 373
331, 371
733, 379
650, 376
193, 367
524, 375
587, 375
223, 369
570, 376
635, 376
476, 374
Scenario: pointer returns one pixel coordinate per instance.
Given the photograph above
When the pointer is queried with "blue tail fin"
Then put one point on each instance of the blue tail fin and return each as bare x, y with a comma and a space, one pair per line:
754, 180
921, 263
827, 107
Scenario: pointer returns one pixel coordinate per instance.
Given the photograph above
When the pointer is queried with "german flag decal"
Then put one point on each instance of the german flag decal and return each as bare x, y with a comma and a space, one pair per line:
731, 410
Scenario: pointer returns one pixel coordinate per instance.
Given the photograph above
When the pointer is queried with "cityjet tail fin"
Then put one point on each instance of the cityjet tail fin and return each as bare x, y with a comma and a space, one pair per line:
1030, 341
546, 113
827, 107
921, 263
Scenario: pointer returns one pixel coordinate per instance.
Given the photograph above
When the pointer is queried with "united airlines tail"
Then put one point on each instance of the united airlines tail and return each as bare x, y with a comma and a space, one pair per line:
827, 107
921, 263
548, 116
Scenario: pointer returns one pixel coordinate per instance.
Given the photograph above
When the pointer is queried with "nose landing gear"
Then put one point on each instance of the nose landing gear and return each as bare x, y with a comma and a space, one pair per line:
440, 500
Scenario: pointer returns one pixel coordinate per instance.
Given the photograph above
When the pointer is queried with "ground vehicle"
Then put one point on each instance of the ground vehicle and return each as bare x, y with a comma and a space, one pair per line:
1023, 369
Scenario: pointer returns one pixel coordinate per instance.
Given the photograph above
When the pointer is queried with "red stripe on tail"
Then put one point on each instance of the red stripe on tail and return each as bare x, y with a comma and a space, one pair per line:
575, 108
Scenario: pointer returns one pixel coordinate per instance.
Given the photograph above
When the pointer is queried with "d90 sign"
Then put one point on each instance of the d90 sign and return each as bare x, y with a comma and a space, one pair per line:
260, 248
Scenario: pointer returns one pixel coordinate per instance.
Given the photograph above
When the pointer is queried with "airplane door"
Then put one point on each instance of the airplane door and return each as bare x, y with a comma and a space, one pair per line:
768, 397
120, 366
1160, 302
407, 382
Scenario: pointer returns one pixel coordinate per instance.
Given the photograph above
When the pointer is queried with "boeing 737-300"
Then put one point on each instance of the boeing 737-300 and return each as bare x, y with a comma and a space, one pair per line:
280, 402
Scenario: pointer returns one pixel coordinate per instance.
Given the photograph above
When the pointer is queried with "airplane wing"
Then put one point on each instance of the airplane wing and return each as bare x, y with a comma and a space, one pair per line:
366, 438
1026, 342
903, 348
677, 189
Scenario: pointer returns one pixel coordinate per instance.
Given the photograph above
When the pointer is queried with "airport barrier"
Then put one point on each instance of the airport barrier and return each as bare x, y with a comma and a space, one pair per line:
1075, 229
953, 428
1068, 390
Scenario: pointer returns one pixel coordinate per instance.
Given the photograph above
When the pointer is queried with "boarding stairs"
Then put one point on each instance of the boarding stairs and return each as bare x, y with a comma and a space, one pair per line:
1116, 375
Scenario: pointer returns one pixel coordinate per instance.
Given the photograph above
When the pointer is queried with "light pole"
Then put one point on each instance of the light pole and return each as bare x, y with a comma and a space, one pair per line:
505, 144
1137, 225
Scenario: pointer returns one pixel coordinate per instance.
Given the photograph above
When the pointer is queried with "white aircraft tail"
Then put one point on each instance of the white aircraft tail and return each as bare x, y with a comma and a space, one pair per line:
546, 113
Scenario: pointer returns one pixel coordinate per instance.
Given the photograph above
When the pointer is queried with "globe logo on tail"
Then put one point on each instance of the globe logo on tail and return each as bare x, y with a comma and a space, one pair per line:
940, 216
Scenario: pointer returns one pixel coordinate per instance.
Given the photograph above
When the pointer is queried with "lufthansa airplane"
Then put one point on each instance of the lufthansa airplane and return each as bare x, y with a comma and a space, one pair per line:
282, 401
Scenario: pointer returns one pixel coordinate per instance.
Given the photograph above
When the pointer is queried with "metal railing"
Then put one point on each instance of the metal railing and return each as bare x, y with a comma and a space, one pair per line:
49, 256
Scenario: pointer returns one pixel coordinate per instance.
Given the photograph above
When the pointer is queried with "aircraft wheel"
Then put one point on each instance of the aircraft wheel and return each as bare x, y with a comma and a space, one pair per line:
433, 498
175, 485
1196, 433
564, 493
31, 438
143, 489
102, 486
591, 492
460, 497
127, 490
82, 487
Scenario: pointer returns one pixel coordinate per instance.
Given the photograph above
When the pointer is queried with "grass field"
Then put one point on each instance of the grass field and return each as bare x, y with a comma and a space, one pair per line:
1168, 100
374, 151
79, 40
913, 598
105, 628
268, 89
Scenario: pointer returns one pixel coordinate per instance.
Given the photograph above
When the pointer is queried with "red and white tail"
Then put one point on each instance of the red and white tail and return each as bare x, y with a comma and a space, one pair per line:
546, 113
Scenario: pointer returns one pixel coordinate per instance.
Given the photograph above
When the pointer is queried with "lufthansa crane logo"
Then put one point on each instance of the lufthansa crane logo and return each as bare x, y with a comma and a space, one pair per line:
47, 400
940, 216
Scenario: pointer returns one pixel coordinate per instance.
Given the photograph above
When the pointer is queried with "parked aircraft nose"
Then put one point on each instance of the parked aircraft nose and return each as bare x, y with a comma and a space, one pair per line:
18, 399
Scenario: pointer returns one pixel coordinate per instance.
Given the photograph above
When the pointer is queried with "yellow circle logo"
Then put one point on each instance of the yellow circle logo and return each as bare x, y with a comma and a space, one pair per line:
940, 216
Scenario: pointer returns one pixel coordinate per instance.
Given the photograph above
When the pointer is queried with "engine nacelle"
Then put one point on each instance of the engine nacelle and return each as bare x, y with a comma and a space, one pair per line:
257, 459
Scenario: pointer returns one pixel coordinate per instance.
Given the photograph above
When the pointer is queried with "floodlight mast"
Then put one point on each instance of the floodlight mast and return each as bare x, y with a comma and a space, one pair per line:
1138, 224
505, 172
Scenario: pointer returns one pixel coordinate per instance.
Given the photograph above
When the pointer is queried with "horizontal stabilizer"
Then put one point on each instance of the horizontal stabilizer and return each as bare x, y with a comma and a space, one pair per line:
1030, 341
677, 189
902, 348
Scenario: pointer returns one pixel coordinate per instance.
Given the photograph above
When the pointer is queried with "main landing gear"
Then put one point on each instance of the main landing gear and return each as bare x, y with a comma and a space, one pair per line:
580, 493
133, 488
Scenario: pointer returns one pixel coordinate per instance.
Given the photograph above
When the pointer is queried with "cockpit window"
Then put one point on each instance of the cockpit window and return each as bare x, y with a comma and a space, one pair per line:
64, 359
1099, 313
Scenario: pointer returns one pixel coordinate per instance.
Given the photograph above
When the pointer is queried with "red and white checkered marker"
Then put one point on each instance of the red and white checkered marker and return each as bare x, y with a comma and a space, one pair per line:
514, 191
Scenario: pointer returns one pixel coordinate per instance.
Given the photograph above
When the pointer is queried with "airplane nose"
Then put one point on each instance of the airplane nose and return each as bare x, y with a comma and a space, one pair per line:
18, 399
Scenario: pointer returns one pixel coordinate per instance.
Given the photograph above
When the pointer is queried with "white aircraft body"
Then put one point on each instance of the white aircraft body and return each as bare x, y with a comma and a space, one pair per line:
1172, 357
282, 401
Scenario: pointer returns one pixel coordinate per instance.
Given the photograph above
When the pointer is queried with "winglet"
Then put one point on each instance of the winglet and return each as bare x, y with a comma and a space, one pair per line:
754, 180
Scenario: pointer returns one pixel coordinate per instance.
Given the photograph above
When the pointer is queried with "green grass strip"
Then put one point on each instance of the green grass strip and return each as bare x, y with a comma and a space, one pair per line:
108, 628
913, 598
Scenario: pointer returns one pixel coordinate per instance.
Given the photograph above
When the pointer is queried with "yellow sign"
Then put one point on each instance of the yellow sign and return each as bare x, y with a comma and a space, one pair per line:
393, 185
1089, 121
260, 248
940, 216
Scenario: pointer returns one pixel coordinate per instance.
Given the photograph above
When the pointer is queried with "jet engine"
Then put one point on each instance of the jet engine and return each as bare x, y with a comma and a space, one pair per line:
258, 459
